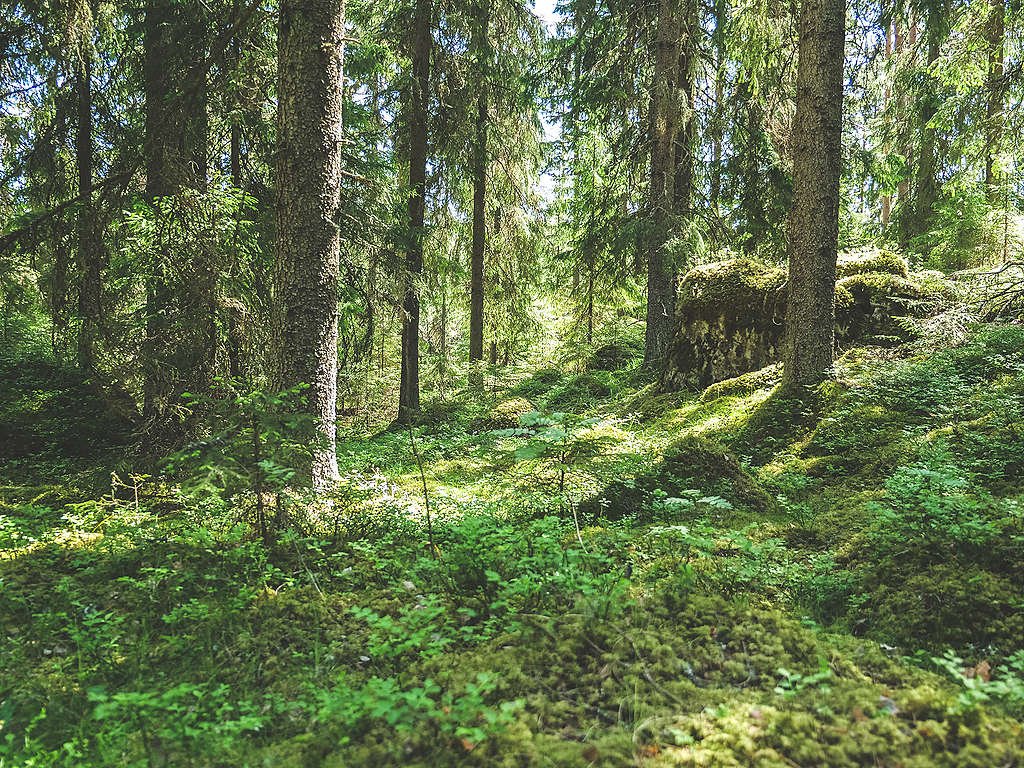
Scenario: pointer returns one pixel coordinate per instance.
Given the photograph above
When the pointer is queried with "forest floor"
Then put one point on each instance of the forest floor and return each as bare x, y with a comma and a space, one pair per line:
571, 571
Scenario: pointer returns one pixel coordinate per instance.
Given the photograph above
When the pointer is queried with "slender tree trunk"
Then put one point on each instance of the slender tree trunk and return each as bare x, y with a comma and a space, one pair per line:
180, 313
476, 282
927, 179
995, 33
591, 269
306, 272
814, 217
89, 249
417, 104
718, 127
158, 140
662, 122
890, 34
750, 171
685, 142
235, 318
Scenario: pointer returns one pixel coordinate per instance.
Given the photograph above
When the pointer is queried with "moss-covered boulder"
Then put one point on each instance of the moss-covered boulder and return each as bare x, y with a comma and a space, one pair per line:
873, 303
731, 314
730, 322
873, 260
692, 463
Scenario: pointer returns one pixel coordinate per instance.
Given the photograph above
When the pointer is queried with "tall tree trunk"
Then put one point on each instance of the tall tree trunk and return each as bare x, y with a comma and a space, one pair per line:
661, 134
718, 126
751, 203
927, 167
814, 217
310, 50
417, 105
685, 144
90, 255
235, 317
476, 281
890, 36
179, 320
157, 47
995, 34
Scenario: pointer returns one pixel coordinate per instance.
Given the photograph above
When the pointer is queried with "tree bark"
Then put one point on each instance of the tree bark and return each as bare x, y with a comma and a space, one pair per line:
661, 134
90, 255
684, 144
180, 321
814, 216
417, 105
995, 34
890, 37
927, 180
307, 252
718, 127
476, 282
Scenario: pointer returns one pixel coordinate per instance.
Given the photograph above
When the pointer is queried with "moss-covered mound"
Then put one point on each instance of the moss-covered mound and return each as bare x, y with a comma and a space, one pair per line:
872, 303
577, 393
684, 679
503, 415
613, 357
731, 314
691, 463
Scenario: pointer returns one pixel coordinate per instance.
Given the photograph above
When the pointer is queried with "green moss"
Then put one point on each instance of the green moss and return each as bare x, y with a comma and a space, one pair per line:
878, 285
581, 391
877, 261
737, 285
503, 415
614, 356
539, 383
689, 463
914, 604
744, 384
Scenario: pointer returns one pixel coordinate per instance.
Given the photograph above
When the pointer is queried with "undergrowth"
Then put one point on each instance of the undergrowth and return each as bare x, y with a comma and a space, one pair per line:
610, 576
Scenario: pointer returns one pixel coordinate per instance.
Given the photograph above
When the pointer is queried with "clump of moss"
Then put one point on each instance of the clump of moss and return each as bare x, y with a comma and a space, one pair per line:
877, 261
690, 463
503, 415
539, 383
744, 384
613, 357
738, 285
957, 604
877, 285
581, 391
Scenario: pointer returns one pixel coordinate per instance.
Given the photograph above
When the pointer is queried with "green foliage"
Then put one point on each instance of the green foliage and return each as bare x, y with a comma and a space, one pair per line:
556, 445
980, 686
260, 444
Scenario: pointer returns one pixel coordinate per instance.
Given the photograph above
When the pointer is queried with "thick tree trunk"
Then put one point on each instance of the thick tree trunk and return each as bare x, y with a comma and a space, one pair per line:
814, 217
157, 46
90, 254
662, 132
308, 169
995, 34
476, 281
417, 104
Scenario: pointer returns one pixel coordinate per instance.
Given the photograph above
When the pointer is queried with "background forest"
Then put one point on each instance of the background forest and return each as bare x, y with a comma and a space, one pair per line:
463, 382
